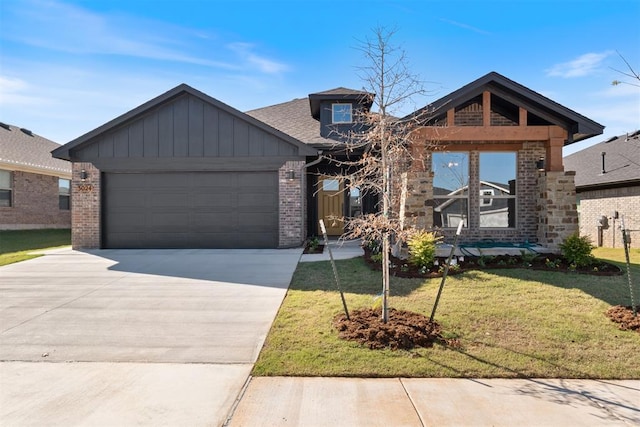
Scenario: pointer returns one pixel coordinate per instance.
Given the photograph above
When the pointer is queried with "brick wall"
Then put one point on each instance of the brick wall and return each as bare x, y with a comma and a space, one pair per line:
86, 202
292, 204
35, 203
594, 204
557, 209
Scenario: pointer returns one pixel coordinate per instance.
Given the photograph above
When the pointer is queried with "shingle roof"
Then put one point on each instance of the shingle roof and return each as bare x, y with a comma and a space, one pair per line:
621, 165
22, 149
293, 118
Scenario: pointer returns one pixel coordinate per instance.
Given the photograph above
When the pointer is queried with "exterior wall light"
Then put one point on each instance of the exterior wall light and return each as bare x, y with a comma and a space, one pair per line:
291, 174
540, 164
83, 175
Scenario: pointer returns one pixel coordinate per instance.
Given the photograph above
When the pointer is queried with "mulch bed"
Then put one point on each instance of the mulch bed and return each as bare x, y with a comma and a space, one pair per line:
404, 329
313, 250
624, 317
548, 262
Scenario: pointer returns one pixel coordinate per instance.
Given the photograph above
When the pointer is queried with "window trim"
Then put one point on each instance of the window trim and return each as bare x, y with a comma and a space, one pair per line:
8, 189
333, 113
64, 195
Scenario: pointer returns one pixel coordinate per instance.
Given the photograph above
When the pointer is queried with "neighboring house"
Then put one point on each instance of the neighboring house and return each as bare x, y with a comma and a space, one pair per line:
34, 187
185, 170
608, 189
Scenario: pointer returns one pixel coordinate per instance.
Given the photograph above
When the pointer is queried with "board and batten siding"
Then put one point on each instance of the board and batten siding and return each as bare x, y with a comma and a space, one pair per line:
186, 127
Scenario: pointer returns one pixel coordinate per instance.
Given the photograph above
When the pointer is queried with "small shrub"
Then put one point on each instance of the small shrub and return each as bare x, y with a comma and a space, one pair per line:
377, 258
528, 257
313, 243
374, 246
484, 260
422, 248
577, 250
551, 263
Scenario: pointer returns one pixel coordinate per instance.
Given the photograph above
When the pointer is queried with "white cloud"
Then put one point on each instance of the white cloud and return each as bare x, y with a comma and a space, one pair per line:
583, 65
65, 28
465, 26
265, 65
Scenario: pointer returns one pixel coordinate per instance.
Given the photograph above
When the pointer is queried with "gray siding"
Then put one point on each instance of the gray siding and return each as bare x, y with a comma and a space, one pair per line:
186, 127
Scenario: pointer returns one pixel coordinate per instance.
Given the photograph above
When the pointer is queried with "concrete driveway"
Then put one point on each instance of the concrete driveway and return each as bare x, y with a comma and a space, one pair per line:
130, 337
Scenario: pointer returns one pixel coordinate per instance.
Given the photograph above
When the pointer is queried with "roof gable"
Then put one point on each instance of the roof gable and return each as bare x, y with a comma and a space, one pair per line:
108, 134
578, 126
339, 94
621, 163
21, 149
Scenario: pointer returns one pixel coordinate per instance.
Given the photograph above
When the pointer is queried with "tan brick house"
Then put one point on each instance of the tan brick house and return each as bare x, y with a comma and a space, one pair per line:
34, 187
185, 170
608, 189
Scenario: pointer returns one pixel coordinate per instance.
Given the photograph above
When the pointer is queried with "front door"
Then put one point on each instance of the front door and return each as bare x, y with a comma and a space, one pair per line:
331, 205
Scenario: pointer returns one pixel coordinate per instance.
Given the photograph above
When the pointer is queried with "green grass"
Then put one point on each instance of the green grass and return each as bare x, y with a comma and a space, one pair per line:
16, 245
511, 323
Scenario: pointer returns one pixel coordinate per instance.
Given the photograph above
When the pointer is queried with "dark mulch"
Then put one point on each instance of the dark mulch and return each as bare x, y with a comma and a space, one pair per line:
404, 329
549, 262
313, 250
624, 317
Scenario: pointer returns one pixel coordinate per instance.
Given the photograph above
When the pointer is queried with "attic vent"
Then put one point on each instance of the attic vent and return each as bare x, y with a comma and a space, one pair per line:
6, 126
27, 131
613, 138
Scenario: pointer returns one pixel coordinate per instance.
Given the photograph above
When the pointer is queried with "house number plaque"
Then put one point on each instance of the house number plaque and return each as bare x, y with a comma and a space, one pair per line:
85, 188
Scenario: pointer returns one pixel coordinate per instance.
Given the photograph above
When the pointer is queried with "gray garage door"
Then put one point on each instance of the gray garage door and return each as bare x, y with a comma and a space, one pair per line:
191, 210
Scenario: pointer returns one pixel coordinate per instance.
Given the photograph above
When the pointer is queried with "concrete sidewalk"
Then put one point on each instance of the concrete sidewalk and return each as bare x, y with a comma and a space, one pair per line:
316, 402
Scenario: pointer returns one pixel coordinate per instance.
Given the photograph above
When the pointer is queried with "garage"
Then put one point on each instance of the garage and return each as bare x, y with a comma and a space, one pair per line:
190, 210
183, 171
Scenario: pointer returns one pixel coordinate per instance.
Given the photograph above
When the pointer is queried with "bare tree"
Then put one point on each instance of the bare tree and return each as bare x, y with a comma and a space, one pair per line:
631, 73
377, 153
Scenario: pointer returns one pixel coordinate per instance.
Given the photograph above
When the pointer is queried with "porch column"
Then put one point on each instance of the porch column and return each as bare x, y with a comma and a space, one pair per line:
85, 206
557, 208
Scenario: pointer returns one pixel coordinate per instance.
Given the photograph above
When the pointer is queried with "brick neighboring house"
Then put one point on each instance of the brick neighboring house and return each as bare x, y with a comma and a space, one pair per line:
186, 170
34, 187
608, 188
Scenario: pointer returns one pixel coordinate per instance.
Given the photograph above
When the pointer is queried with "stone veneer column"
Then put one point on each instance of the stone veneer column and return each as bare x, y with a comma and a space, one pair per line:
557, 209
292, 204
419, 201
85, 207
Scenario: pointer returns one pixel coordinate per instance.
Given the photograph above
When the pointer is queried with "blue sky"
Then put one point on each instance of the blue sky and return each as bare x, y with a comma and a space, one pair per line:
67, 67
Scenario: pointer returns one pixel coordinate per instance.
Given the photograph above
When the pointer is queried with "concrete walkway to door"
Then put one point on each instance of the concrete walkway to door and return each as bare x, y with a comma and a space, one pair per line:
130, 337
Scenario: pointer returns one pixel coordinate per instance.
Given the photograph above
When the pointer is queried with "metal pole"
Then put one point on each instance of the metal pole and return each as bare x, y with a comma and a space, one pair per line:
626, 245
446, 270
335, 270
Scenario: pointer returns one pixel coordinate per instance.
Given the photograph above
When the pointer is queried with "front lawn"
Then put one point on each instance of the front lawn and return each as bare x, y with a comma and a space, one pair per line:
509, 323
16, 245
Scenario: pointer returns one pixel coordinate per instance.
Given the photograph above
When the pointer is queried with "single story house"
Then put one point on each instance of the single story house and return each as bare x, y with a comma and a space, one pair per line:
186, 170
34, 187
608, 189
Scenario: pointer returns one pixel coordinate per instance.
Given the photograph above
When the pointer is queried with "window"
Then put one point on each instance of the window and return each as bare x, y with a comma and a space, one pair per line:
64, 194
355, 202
5, 188
341, 113
329, 184
450, 189
497, 190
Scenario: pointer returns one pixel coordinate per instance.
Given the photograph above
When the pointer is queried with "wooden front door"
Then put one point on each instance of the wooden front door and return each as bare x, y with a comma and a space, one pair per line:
330, 205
